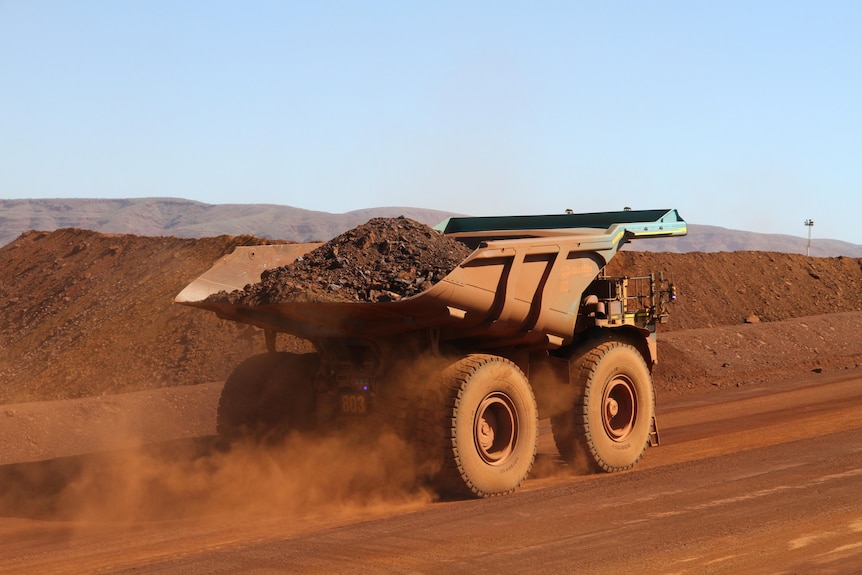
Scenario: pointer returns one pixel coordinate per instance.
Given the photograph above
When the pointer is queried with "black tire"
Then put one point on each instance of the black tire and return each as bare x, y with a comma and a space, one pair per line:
267, 396
609, 423
480, 424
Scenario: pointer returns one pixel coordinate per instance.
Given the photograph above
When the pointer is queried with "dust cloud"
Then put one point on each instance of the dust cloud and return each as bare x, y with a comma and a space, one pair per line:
149, 456
194, 478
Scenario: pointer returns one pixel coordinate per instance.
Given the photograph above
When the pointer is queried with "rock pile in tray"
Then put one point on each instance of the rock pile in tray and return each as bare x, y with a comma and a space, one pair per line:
385, 259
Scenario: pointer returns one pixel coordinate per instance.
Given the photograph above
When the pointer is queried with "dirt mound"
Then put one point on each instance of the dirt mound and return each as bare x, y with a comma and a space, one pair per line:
385, 259
732, 288
87, 314
711, 359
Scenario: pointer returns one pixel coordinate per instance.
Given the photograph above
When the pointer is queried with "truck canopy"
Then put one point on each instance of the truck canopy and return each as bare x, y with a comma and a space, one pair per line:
627, 223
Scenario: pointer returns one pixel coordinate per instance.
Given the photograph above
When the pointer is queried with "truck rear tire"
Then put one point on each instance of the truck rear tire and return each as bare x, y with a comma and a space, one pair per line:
266, 396
481, 426
608, 425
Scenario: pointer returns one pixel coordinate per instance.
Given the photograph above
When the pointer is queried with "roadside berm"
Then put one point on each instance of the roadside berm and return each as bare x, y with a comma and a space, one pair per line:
88, 314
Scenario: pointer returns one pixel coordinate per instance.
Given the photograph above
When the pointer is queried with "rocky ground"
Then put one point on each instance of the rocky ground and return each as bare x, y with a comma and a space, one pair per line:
88, 314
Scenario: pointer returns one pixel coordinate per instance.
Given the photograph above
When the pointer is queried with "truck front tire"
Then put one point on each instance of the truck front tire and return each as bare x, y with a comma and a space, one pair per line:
608, 425
481, 425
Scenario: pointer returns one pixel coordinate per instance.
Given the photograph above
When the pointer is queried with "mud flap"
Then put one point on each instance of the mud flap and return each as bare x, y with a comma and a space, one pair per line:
653, 434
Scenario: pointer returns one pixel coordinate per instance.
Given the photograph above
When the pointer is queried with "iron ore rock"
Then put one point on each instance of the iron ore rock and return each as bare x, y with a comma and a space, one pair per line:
385, 259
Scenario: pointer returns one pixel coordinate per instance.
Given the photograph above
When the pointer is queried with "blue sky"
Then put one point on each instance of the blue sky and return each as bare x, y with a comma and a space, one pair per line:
744, 115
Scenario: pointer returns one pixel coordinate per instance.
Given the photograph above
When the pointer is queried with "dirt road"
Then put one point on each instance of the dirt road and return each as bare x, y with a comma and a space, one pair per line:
752, 481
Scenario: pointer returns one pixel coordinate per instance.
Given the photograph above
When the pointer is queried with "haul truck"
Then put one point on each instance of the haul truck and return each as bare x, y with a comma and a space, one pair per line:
526, 327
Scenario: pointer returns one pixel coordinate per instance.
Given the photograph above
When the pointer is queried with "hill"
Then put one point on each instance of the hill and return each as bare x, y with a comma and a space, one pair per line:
187, 219
711, 239
86, 313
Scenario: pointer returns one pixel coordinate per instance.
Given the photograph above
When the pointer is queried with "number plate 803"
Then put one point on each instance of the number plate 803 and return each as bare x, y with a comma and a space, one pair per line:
355, 403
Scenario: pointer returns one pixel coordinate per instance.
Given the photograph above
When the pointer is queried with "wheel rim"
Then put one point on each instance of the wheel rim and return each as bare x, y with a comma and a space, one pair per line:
619, 408
495, 428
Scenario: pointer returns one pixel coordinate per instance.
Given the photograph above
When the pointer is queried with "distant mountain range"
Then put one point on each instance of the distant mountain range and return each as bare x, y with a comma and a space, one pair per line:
716, 239
190, 219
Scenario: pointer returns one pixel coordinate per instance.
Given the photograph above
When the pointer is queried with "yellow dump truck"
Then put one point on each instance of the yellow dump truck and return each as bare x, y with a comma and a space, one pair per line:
526, 327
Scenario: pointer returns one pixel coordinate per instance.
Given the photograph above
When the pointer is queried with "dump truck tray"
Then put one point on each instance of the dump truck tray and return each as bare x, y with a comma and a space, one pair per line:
522, 284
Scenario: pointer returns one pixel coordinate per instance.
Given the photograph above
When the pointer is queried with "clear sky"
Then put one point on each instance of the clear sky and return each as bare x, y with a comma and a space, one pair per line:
741, 114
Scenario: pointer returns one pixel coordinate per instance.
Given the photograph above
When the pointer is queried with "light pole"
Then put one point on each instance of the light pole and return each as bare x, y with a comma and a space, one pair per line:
809, 224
